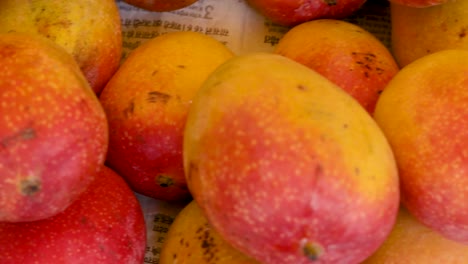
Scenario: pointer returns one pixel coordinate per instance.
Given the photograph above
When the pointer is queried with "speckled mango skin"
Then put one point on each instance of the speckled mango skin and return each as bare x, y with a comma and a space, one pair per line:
53, 130
286, 166
344, 53
104, 225
161, 5
417, 32
192, 240
146, 103
412, 242
89, 30
424, 115
295, 12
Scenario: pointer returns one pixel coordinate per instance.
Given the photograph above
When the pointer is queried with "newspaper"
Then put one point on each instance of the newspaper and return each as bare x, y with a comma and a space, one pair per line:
242, 29
159, 215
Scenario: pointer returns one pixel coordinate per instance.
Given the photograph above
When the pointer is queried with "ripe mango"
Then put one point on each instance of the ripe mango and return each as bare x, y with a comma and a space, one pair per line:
87, 29
160, 5
424, 114
192, 240
344, 53
294, 12
416, 32
104, 225
146, 103
411, 242
53, 130
286, 166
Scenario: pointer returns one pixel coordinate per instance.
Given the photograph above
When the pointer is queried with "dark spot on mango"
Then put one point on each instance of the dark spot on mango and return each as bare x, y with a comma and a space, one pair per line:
312, 251
462, 33
301, 87
156, 96
205, 244
84, 220
164, 180
30, 186
365, 55
27, 133
357, 171
330, 2
128, 111
379, 70
181, 66
318, 170
24, 134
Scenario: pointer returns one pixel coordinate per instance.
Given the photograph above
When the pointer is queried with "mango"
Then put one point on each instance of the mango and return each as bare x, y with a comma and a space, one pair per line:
424, 115
294, 12
344, 53
87, 29
160, 5
146, 102
411, 242
286, 166
53, 130
104, 225
416, 32
192, 240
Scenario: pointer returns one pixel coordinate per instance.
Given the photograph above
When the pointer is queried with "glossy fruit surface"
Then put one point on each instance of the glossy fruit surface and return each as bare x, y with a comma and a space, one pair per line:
192, 240
286, 166
344, 53
161, 5
294, 12
146, 103
424, 115
53, 130
87, 29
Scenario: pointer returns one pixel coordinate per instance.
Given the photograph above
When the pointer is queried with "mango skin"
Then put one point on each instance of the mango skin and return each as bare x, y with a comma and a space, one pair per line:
417, 32
146, 103
344, 53
53, 130
192, 240
89, 30
424, 115
160, 5
411, 242
104, 225
286, 166
294, 12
